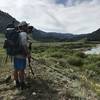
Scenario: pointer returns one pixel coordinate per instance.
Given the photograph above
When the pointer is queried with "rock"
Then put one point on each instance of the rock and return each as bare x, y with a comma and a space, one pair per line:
34, 93
8, 79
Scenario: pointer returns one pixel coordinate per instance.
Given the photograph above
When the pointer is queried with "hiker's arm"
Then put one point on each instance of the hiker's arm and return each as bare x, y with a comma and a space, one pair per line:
26, 49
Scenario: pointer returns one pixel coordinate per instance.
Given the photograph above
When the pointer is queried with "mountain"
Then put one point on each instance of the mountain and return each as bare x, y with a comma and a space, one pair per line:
51, 36
94, 36
5, 19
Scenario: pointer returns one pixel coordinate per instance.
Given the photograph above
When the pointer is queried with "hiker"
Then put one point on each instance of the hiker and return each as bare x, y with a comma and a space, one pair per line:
20, 59
10, 36
30, 28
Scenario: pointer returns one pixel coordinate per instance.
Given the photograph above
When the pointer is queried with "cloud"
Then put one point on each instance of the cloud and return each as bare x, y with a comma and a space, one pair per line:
71, 16
76, 2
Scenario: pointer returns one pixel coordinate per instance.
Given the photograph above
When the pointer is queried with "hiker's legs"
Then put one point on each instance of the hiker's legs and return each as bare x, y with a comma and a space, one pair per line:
21, 75
22, 78
20, 65
15, 74
16, 78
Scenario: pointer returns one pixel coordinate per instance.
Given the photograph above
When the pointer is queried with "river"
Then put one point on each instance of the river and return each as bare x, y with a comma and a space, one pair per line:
94, 50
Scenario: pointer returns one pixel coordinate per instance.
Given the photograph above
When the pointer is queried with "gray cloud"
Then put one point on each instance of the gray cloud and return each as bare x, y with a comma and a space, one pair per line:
76, 16
76, 2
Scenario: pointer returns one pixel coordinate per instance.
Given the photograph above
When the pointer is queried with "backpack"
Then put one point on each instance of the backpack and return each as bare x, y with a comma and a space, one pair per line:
12, 42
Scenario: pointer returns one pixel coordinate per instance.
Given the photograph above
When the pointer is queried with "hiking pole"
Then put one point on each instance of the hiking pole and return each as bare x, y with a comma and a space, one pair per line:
29, 62
8, 78
29, 58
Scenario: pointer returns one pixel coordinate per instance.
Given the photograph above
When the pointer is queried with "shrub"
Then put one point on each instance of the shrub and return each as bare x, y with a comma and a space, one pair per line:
94, 68
62, 62
39, 49
57, 55
93, 58
98, 63
80, 54
75, 61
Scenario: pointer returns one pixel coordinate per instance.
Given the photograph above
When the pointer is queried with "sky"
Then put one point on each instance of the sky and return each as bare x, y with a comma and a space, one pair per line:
64, 16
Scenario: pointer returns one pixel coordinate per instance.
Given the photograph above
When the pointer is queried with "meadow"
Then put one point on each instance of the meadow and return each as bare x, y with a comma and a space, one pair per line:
64, 67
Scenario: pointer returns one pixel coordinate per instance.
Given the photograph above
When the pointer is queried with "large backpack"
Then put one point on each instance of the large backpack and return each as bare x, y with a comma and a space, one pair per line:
11, 43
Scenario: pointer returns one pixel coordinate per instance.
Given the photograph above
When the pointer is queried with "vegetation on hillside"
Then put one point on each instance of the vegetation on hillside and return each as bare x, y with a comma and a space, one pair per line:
61, 71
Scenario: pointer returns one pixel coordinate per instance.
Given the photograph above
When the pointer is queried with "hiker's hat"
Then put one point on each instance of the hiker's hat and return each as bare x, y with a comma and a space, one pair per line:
23, 23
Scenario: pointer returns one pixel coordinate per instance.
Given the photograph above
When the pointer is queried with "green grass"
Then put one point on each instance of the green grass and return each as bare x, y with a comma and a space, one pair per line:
66, 58
75, 61
70, 55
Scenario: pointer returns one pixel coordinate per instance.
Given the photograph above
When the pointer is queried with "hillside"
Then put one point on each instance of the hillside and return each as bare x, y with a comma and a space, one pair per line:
5, 19
60, 73
94, 36
51, 36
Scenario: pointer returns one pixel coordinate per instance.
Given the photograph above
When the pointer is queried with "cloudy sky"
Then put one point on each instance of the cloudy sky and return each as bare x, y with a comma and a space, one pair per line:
71, 16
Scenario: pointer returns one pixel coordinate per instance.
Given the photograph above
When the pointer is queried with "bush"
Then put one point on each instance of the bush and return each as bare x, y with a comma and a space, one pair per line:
93, 58
80, 54
93, 67
75, 61
39, 49
57, 55
98, 64
62, 62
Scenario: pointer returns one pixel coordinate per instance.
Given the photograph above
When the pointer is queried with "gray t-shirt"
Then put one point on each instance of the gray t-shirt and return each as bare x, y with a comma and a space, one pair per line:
23, 38
23, 41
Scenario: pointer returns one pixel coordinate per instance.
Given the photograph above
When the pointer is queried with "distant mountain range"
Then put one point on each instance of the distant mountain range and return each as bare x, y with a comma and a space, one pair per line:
51, 36
39, 35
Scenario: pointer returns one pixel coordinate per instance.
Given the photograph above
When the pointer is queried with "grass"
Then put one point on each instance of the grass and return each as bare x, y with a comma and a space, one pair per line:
65, 59
69, 55
76, 61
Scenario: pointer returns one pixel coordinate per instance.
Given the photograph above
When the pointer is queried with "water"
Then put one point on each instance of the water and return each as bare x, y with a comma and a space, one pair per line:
95, 50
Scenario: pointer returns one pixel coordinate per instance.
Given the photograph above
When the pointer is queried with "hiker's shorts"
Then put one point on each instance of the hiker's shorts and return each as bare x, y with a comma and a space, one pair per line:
19, 63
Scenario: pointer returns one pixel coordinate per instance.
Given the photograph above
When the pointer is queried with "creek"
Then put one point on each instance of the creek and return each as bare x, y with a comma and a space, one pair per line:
94, 50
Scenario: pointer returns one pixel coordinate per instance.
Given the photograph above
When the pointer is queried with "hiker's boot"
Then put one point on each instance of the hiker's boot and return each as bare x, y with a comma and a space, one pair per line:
17, 84
23, 85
